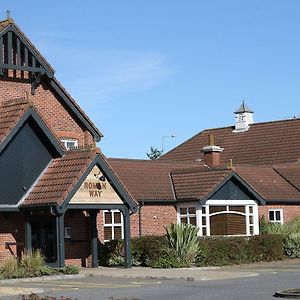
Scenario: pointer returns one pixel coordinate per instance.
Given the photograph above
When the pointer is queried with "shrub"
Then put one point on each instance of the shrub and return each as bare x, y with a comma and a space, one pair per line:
144, 251
32, 263
183, 239
292, 245
69, 270
168, 259
266, 247
220, 251
9, 267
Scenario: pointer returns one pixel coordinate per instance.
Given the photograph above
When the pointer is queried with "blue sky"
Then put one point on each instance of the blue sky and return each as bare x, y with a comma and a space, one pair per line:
146, 69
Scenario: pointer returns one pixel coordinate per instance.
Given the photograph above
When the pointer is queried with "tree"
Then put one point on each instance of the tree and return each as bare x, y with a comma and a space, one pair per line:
154, 153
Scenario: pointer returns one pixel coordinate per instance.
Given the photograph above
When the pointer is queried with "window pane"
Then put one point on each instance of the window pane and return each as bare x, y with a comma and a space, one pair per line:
192, 210
107, 233
118, 232
203, 221
183, 211
117, 217
271, 215
107, 218
277, 212
251, 209
193, 221
203, 210
215, 209
204, 231
183, 220
250, 220
70, 145
251, 230
237, 208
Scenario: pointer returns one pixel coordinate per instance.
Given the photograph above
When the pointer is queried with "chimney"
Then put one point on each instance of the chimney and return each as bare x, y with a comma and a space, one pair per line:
212, 152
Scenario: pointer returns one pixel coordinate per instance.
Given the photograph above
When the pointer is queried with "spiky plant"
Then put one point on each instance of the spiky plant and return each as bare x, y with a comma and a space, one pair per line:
183, 239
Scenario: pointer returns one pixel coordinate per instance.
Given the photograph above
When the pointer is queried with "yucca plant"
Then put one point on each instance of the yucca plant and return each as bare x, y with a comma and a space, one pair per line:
183, 239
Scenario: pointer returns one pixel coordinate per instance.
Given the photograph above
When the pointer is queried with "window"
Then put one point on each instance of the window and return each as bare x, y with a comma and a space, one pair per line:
113, 225
234, 218
276, 216
187, 215
69, 143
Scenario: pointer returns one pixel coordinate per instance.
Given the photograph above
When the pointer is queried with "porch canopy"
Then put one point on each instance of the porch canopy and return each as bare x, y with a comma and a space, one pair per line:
80, 180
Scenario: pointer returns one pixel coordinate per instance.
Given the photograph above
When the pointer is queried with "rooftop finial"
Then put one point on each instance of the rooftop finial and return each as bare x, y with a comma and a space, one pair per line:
9, 18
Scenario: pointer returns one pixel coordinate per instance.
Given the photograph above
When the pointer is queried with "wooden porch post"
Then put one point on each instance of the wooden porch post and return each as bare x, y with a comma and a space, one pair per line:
28, 233
127, 248
60, 240
94, 237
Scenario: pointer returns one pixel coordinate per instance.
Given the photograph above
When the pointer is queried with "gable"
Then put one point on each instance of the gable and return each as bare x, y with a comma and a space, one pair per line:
22, 161
96, 189
233, 190
17, 53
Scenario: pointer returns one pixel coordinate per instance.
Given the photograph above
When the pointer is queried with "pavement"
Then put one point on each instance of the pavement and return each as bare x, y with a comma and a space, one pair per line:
188, 274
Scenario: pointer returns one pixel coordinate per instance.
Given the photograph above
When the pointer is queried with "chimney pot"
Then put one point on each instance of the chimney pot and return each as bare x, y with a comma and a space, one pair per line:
212, 153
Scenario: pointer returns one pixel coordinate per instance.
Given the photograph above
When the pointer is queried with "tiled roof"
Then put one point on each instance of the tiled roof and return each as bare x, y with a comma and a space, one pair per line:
146, 179
291, 172
10, 113
263, 144
268, 183
197, 183
159, 180
59, 178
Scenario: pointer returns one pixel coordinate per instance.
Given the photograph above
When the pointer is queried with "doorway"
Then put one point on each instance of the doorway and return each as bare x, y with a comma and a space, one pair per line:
44, 238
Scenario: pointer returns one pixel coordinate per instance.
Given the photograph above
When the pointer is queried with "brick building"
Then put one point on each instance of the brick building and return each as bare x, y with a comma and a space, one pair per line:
60, 194
221, 180
56, 186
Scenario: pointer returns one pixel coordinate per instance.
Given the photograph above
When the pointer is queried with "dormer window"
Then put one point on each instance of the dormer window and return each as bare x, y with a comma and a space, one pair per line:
69, 143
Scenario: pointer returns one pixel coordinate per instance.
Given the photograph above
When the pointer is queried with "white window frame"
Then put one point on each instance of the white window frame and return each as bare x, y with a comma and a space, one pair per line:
66, 141
247, 203
112, 225
189, 205
274, 210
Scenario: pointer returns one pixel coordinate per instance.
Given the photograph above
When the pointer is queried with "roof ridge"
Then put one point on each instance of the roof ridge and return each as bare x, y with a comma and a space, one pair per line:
201, 169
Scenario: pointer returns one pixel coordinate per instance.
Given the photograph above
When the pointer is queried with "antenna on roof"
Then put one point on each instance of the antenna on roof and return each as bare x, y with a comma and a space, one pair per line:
8, 14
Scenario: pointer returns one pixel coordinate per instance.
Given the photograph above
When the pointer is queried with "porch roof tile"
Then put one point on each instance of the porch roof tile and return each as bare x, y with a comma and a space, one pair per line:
59, 178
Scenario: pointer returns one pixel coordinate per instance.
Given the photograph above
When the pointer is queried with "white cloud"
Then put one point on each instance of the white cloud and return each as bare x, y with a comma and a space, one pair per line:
91, 73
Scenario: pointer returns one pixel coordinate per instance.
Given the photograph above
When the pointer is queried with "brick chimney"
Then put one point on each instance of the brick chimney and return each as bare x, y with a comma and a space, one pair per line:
212, 152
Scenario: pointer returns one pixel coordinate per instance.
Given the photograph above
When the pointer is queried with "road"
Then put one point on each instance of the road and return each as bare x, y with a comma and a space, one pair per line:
262, 286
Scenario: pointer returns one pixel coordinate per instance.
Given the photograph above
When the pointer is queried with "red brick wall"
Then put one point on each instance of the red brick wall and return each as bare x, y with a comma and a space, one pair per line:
155, 218
57, 117
290, 212
11, 230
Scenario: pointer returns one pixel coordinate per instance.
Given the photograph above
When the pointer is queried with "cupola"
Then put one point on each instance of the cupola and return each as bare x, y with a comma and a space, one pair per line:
243, 118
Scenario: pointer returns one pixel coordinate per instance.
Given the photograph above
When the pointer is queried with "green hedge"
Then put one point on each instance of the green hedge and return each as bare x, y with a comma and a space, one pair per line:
154, 251
236, 250
145, 251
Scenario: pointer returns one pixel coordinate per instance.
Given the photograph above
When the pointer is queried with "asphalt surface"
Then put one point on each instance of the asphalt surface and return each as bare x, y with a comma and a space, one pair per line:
266, 279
